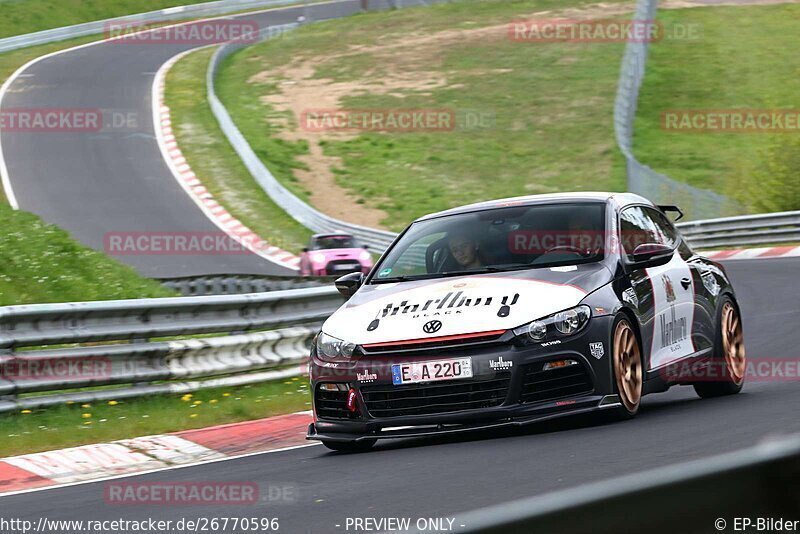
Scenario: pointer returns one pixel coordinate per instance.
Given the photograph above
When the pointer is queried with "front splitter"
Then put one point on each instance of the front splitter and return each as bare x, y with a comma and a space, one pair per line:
609, 402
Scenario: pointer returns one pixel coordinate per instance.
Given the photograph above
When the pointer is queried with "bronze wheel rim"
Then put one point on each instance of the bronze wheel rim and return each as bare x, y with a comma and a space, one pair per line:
733, 343
627, 366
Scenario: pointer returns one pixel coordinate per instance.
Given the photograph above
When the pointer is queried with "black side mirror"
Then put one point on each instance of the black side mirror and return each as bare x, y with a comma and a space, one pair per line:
365, 247
349, 284
305, 249
652, 255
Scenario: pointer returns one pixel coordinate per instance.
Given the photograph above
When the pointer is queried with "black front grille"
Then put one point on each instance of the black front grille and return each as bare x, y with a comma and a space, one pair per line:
435, 398
540, 385
342, 267
332, 404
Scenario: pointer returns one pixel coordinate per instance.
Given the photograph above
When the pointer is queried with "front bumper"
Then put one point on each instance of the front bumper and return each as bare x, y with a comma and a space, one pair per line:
401, 411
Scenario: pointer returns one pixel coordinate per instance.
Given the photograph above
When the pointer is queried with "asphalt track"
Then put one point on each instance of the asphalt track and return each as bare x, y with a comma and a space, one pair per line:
443, 477
115, 180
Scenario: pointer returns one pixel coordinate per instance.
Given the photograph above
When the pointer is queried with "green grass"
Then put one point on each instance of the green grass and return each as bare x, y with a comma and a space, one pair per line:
41, 263
748, 58
215, 162
27, 16
552, 106
67, 426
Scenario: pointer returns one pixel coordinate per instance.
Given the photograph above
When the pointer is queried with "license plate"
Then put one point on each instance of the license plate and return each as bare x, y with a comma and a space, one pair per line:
433, 371
344, 267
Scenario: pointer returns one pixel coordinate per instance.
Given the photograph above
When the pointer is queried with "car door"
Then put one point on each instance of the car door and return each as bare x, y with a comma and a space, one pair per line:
705, 280
664, 295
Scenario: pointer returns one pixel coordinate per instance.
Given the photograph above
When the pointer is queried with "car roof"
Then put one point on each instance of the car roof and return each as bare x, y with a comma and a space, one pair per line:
339, 234
621, 199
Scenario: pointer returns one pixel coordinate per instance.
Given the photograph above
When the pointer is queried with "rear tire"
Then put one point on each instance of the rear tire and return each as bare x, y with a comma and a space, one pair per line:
729, 352
627, 367
349, 446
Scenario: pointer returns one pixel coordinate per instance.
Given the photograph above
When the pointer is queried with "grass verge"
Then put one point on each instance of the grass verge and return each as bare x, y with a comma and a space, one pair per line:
41, 263
746, 58
215, 162
72, 425
550, 105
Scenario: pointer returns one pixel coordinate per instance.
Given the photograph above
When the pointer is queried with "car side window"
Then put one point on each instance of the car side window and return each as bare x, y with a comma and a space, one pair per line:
412, 260
638, 228
665, 226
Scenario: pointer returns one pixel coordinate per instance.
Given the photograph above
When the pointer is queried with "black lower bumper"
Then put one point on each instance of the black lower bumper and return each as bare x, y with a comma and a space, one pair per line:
318, 431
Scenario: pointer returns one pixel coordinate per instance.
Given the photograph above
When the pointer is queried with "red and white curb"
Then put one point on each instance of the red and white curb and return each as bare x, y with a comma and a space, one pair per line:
792, 251
151, 453
190, 183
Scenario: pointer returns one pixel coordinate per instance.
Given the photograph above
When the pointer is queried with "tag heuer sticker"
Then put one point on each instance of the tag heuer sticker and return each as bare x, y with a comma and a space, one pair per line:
710, 281
597, 349
629, 296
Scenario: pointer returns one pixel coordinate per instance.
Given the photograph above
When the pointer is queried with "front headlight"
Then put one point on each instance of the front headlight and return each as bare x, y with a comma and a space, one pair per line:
332, 349
559, 325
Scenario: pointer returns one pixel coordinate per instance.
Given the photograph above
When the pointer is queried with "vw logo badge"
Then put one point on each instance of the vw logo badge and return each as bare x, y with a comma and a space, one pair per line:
432, 327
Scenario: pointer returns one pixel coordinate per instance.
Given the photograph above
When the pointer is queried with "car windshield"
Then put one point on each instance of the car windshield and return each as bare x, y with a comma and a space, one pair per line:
500, 239
334, 241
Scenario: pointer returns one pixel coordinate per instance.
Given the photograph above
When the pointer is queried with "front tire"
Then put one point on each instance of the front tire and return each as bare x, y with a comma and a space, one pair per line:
349, 446
729, 352
627, 367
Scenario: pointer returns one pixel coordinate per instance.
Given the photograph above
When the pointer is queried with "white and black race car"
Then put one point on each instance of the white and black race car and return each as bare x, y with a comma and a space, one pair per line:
518, 310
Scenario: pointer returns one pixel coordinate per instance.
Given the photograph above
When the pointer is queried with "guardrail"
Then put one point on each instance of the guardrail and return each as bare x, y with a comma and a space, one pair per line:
244, 351
208, 9
764, 229
701, 496
238, 284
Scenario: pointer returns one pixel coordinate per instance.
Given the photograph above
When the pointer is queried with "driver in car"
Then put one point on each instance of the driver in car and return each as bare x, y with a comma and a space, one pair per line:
464, 250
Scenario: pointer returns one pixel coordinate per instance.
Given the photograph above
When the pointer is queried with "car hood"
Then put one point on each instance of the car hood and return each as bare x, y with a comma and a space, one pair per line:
384, 313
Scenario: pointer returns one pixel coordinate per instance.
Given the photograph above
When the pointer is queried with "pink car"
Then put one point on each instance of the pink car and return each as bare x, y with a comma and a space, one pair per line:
334, 255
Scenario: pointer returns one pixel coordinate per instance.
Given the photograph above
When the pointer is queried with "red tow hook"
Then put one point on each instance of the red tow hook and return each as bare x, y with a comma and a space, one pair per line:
352, 405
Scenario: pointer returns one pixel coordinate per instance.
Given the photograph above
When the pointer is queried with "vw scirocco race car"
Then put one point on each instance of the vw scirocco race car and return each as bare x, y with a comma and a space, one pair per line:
514, 311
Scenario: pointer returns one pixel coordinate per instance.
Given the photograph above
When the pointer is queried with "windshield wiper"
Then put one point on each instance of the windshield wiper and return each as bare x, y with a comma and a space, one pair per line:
404, 278
489, 269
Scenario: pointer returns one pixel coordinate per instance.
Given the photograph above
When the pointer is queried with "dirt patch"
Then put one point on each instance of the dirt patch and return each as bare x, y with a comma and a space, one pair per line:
406, 65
